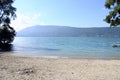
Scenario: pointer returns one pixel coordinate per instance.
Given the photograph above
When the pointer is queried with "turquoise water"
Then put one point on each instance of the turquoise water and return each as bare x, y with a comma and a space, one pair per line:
74, 47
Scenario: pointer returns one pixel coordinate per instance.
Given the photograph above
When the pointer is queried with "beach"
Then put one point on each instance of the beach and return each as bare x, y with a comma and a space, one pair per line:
19, 67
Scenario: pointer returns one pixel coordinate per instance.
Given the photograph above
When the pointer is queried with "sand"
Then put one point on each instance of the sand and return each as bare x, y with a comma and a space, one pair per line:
15, 67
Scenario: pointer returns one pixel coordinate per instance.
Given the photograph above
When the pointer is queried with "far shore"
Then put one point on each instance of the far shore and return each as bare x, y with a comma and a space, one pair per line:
17, 67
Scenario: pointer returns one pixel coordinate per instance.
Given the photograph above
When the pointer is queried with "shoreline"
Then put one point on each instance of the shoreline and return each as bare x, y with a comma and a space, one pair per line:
22, 67
60, 57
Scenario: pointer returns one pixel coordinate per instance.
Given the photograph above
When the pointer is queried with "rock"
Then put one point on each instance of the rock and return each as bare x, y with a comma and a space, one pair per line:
116, 45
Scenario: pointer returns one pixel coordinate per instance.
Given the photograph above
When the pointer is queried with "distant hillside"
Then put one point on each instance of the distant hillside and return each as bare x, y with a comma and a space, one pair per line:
63, 31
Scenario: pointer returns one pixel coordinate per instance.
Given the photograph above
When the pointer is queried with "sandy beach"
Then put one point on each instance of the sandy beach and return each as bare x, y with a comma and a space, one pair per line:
15, 67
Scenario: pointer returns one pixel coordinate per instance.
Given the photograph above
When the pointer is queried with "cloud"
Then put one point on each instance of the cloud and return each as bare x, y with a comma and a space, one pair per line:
22, 21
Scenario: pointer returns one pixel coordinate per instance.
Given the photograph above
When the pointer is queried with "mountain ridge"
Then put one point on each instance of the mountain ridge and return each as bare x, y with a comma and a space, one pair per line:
66, 31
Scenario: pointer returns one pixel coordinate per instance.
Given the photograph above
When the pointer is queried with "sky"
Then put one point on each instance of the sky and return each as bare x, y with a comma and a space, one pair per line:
74, 13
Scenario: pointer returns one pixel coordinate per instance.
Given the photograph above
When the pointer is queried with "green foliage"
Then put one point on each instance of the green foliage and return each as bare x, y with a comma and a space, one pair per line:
7, 12
113, 18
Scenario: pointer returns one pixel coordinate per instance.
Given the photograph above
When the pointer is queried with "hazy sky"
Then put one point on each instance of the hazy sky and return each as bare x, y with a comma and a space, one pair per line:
75, 13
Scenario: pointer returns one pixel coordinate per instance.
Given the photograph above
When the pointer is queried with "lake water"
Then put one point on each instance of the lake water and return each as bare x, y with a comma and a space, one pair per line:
73, 47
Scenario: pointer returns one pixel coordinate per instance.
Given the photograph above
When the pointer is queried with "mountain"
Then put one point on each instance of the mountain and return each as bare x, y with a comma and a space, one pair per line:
64, 31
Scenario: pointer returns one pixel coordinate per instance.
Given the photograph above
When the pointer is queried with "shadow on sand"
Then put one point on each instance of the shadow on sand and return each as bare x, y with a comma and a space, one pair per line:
6, 47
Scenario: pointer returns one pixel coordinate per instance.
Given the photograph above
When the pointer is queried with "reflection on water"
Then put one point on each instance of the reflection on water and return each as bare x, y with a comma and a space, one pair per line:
6, 47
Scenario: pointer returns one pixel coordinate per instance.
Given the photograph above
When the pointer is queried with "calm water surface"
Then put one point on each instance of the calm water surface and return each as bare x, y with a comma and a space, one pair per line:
74, 47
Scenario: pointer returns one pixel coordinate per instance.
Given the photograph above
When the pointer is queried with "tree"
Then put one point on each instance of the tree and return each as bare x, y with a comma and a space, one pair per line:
7, 12
113, 18
6, 34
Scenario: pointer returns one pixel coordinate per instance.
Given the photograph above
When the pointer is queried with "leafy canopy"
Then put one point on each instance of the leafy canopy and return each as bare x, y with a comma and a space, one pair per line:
7, 12
113, 18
